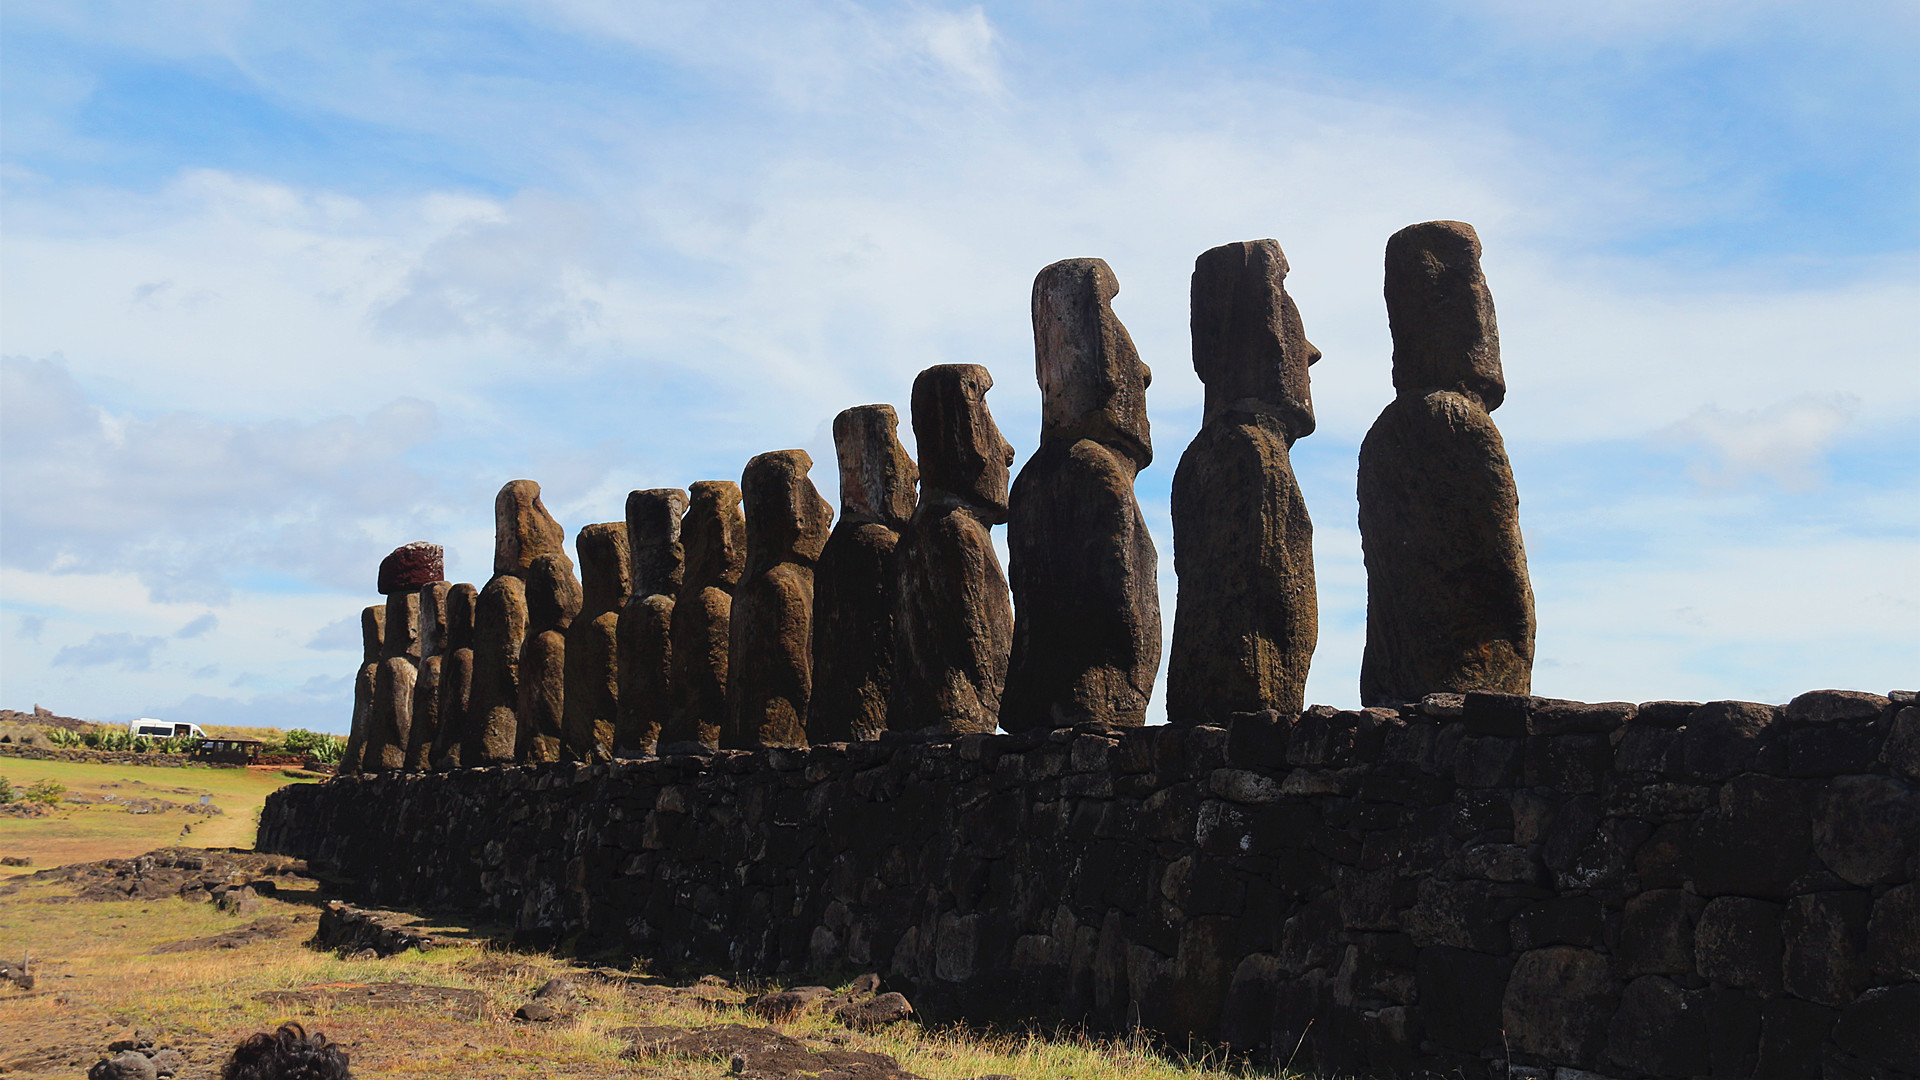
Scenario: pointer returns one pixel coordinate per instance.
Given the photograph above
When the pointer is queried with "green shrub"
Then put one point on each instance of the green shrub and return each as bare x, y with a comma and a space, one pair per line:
320, 746
45, 791
6, 791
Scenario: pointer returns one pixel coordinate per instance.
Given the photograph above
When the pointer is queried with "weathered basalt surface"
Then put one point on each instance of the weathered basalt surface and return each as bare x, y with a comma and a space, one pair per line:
1662, 890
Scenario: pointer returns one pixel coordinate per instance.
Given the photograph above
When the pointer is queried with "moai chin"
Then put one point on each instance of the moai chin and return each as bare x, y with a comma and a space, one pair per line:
770, 654
435, 598
403, 573
592, 679
1449, 604
856, 585
644, 643
714, 534
554, 598
954, 624
372, 649
456, 679
1247, 621
1086, 632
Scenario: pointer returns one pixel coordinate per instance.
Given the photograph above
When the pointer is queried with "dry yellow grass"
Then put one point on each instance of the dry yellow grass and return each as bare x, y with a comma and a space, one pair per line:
98, 977
85, 833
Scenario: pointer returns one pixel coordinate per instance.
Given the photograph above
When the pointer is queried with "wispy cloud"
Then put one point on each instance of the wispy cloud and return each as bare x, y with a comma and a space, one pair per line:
1784, 442
125, 651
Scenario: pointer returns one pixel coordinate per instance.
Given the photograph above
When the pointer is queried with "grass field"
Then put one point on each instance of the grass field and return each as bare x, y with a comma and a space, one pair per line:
98, 976
103, 830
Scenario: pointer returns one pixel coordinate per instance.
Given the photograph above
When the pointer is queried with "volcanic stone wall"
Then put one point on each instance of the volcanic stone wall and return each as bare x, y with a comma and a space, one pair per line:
1483, 886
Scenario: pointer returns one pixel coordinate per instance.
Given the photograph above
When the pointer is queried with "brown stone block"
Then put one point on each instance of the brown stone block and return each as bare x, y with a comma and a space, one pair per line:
1893, 935
1866, 828
1826, 938
1558, 1003
1737, 943
1656, 933
1659, 1029
1755, 840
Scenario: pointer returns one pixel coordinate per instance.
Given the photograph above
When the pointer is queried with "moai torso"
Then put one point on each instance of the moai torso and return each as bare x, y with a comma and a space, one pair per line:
523, 532
644, 643
592, 678
856, 585
954, 625
770, 656
714, 535
1449, 605
1086, 635
372, 648
1247, 620
456, 679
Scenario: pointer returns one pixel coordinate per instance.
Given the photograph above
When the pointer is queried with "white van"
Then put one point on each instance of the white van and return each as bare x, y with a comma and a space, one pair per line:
161, 729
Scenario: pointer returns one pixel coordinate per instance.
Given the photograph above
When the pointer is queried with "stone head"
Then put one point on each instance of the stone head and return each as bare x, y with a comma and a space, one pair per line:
373, 627
461, 600
962, 452
554, 596
1441, 313
714, 533
522, 529
653, 540
604, 574
410, 566
877, 477
1249, 346
1092, 383
434, 598
787, 520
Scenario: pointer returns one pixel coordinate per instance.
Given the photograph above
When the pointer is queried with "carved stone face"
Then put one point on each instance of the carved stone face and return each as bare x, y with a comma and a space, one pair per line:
373, 627
1441, 313
523, 530
876, 476
1249, 347
653, 540
605, 578
714, 534
787, 520
962, 452
1092, 382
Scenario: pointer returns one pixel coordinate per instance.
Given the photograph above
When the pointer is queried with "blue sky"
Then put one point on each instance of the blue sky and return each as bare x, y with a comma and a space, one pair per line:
282, 287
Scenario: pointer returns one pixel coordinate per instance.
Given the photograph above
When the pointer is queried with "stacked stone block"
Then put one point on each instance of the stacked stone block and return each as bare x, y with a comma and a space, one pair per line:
1454, 886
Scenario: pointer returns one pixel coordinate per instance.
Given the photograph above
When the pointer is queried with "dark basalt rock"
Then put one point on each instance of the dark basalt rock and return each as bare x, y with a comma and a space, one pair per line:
592, 701
714, 535
954, 628
1449, 604
856, 586
1247, 620
373, 622
1086, 632
644, 642
770, 657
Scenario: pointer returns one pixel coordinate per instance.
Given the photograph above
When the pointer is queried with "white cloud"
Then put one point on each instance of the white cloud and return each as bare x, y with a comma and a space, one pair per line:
1784, 442
126, 651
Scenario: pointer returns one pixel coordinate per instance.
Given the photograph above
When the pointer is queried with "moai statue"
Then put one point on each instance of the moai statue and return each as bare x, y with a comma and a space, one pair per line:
856, 587
523, 532
644, 645
1248, 617
770, 650
1086, 600
434, 600
403, 574
592, 681
714, 534
1449, 606
456, 679
372, 646
554, 597
954, 626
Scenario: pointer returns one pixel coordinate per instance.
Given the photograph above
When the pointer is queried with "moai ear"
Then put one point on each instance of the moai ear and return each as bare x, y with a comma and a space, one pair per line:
1441, 313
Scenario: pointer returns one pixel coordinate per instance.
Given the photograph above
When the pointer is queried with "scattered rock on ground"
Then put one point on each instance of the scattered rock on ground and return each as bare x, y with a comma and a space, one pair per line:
127, 1065
888, 1008
759, 1053
254, 932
